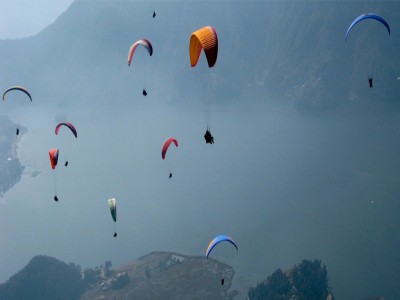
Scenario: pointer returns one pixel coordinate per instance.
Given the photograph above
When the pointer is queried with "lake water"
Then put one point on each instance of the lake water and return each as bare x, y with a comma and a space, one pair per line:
285, 185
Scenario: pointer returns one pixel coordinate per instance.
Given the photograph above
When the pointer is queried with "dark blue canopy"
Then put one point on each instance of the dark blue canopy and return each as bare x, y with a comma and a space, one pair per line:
367, 16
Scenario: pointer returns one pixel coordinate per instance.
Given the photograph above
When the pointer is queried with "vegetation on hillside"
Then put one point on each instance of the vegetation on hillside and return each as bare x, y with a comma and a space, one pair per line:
307, 281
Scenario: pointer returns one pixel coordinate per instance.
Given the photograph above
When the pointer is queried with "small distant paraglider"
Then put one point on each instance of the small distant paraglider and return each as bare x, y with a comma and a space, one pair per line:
215, 241
53, 154
112, 203
208, 137
165, 147
145, 43
204, 39
363, 17
17, 88
154, 14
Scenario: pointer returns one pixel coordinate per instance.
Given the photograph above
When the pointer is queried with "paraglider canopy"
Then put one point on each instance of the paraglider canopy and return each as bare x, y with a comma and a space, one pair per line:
68, 125
368, 16
17, 88
112, 203
204, 38
166, 146
144, 42
218, 239
53, 153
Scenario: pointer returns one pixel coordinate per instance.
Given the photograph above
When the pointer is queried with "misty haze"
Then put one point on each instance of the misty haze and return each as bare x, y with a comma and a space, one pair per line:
305, 163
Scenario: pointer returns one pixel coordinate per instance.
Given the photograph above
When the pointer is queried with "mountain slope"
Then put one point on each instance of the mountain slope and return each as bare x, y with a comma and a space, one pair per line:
163, 275
290, 50
158, 275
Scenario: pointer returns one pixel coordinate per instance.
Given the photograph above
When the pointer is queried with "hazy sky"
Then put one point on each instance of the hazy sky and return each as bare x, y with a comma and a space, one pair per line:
22, 18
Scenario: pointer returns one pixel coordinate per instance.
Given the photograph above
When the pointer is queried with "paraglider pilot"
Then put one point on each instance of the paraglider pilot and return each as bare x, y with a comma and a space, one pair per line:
154, 14
17, 131
170, 175
115, 234
66, 163
370, 81
208, 137
144, 93
222, 280
56, 198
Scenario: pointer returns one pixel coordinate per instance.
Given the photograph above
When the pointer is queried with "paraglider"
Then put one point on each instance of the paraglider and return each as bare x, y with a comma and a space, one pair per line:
204, 38
53, 154
154, 14
17, 88
365, 17
165, 147
208, 137
71, 127
370, 81
112, 203
144, 42
222, 281
368, 16
218, 239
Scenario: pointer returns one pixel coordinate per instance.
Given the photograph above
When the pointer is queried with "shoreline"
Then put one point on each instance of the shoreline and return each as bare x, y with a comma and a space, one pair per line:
14, 146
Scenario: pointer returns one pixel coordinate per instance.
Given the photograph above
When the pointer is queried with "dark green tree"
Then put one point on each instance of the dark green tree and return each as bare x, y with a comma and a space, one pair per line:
311, 280
44, 278
277, 286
